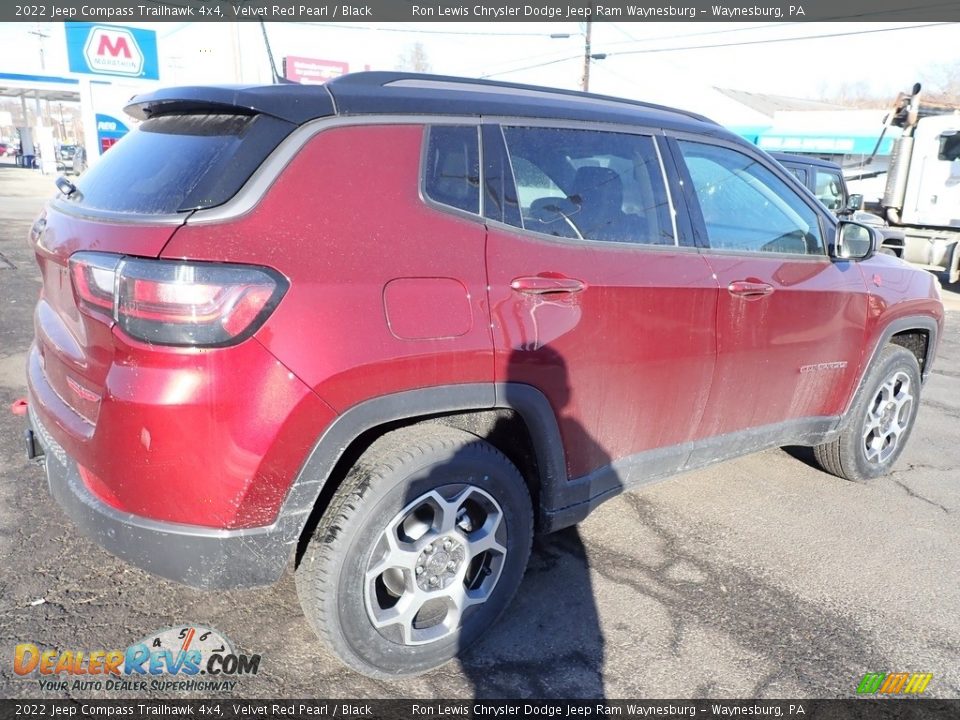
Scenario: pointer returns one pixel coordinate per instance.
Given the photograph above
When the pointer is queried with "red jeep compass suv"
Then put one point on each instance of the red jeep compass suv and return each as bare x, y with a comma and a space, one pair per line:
388, 327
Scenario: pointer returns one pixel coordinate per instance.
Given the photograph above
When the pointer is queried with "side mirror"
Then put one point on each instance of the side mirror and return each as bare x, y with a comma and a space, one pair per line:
855, 202
855, 241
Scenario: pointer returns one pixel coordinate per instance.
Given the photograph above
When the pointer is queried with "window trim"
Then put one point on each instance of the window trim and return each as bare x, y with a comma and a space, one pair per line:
493, 147
827, 223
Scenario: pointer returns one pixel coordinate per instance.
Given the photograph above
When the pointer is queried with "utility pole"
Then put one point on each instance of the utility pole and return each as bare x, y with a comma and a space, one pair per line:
586, 57
41, 36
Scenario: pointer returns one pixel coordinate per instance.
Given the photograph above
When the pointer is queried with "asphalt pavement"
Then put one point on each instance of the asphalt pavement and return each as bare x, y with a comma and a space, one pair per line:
761, 577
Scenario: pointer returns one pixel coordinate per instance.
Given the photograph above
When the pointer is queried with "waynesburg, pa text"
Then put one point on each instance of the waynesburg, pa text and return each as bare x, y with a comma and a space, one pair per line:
624, 11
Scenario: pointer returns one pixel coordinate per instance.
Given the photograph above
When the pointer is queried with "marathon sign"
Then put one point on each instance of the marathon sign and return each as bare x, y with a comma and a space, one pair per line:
116, 50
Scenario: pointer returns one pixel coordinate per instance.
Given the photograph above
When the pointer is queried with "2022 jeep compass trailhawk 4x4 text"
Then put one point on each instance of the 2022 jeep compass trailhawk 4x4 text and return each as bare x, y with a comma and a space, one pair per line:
387, 328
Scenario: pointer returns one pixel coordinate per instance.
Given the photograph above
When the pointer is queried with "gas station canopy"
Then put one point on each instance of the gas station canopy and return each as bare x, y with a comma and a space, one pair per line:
40, 87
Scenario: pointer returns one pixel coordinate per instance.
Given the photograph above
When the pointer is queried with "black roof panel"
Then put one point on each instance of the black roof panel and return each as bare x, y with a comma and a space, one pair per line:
411, 93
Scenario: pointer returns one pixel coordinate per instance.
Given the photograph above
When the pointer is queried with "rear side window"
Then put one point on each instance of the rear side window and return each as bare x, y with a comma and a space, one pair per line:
590, 185
799, 173
452, 167
177, 163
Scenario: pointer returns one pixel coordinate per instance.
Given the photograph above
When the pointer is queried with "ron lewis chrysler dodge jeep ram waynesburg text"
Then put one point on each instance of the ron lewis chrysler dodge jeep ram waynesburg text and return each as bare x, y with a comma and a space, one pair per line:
387, 328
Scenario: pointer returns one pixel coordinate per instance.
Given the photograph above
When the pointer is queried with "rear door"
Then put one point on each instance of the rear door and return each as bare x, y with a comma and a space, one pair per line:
595, 299
790, 321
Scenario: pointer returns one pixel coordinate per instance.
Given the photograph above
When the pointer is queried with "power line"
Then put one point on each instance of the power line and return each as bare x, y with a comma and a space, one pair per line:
722, 45
744, 43
698, 34
531, 67
632, 41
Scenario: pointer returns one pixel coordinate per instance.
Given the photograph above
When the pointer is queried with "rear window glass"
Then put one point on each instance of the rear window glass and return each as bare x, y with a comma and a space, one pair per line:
178, 163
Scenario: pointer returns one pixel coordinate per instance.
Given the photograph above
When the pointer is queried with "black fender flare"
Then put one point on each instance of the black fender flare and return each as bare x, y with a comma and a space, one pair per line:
531, 404
911, 322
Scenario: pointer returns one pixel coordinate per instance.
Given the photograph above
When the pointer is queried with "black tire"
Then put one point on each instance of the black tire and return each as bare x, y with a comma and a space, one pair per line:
847, 455
400, 468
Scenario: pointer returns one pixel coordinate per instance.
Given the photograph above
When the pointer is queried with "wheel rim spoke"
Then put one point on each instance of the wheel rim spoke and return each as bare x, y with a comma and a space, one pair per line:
396, 556
448, 510
485, 540
402, 614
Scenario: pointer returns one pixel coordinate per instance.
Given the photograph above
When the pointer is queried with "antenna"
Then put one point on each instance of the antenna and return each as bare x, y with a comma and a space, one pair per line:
273, 66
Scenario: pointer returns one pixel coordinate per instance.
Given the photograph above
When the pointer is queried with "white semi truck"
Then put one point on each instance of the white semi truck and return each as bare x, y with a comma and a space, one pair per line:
922, 192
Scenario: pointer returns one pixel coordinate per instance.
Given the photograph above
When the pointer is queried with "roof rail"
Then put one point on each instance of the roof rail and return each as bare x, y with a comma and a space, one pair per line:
373, 82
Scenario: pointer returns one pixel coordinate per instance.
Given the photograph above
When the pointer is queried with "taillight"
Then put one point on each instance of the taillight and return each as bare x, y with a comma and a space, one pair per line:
173, 302
94, 277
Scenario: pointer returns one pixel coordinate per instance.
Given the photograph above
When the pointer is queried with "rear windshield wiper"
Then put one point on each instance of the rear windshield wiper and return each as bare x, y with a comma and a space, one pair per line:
65, 186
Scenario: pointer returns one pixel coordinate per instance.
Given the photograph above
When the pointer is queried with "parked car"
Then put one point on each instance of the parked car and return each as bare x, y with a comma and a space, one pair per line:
825, 180
65, 155
387, 328
5, 149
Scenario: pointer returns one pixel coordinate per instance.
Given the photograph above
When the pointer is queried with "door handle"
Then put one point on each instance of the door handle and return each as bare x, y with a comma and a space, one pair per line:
539, 285
750, 289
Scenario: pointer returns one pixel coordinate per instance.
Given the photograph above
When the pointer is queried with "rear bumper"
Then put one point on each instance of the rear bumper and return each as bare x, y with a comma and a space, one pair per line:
200, 557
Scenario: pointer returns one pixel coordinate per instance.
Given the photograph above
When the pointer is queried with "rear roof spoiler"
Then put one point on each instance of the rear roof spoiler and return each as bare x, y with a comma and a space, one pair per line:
293, 103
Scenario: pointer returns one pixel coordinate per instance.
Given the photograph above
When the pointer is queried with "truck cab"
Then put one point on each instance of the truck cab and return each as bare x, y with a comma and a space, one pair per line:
822, 177
932, 197
825, 180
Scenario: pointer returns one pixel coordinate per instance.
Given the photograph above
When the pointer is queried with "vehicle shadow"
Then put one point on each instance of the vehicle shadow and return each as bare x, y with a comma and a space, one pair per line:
548, 643
804, 454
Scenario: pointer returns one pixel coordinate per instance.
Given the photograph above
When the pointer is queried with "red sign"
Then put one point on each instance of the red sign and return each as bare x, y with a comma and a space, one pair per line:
114, 46
311, 71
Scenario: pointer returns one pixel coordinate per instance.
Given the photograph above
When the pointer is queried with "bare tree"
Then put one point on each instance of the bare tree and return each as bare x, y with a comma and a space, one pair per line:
857, 94
941, 83
414, 59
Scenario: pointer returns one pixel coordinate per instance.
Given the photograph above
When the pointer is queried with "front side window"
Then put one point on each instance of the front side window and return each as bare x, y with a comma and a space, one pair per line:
746, 207
949, 147
590, 185
452, 167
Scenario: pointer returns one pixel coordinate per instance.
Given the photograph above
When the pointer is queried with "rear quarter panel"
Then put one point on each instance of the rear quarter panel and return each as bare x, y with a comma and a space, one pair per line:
386, 293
